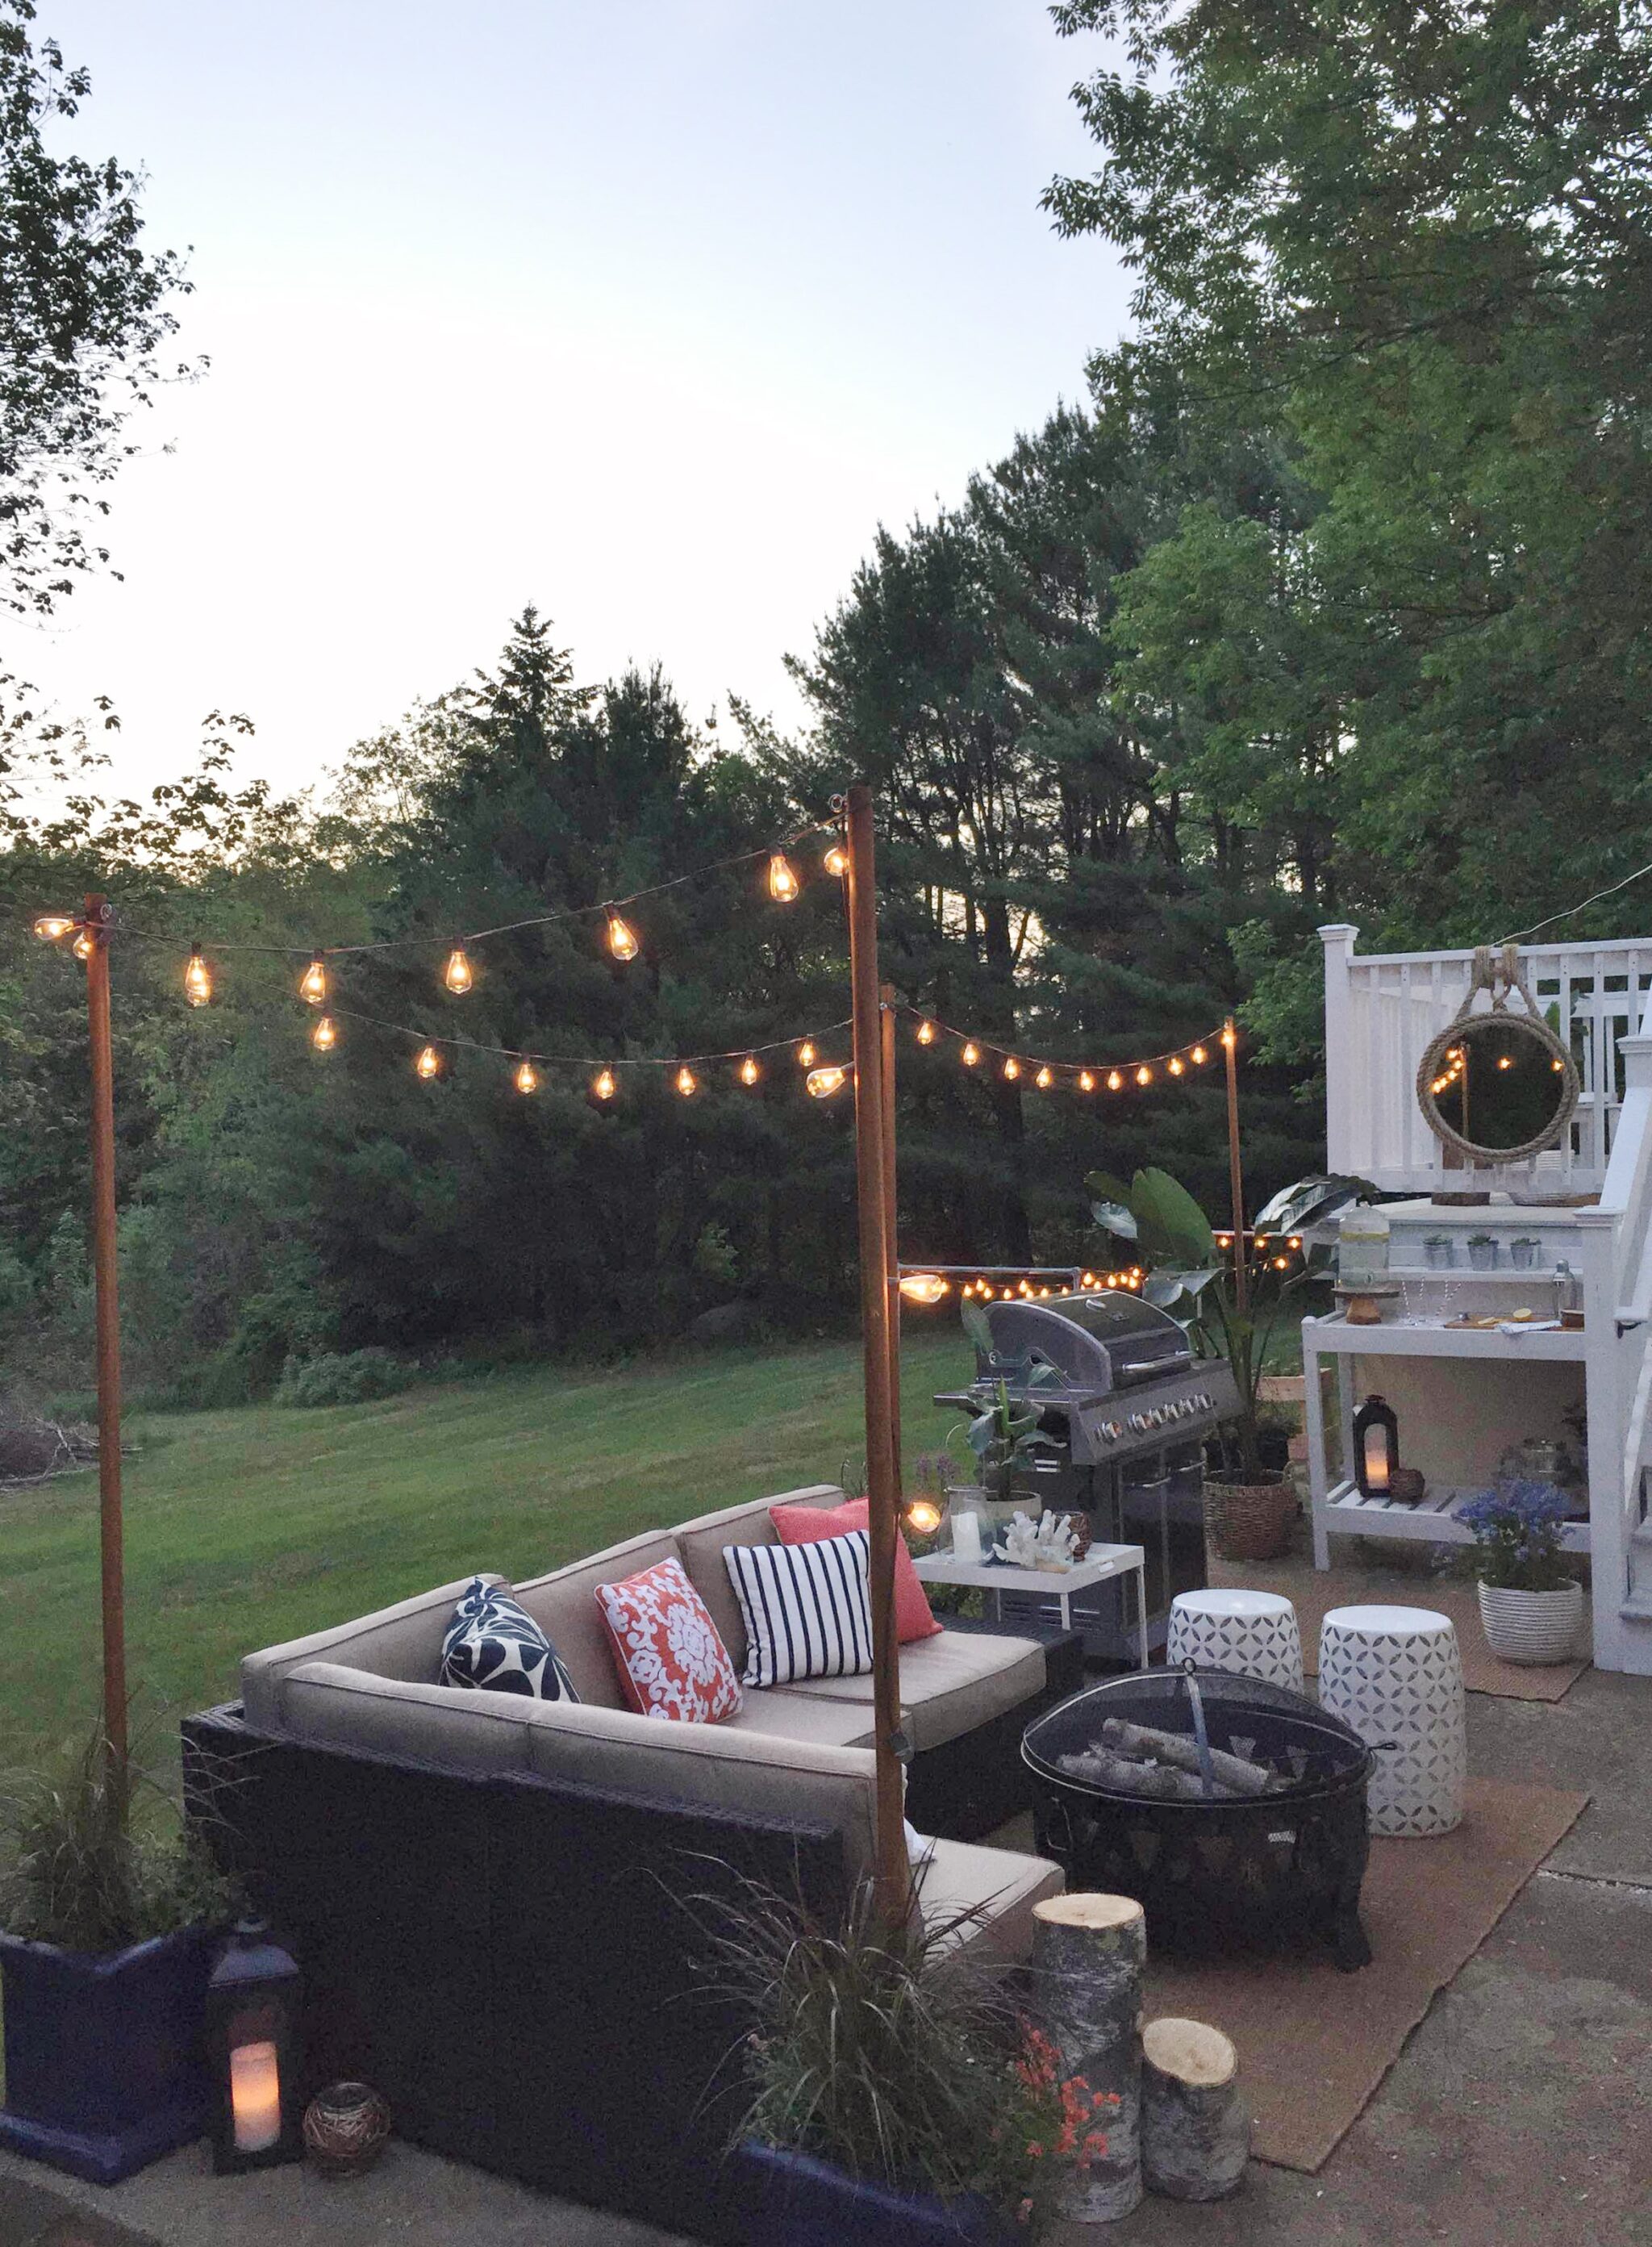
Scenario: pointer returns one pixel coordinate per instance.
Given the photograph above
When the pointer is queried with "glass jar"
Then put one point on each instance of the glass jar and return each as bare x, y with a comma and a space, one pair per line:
1362, 1247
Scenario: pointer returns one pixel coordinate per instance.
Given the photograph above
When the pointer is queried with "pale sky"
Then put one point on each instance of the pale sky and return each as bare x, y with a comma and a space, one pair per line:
647, 311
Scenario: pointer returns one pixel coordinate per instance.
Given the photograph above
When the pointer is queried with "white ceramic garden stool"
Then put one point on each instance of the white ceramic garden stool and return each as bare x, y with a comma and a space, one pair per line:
1252, 1633
1394, 1674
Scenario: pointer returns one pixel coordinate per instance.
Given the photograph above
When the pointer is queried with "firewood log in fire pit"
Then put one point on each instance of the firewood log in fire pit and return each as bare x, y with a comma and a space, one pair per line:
1158, 1782
1235, 1773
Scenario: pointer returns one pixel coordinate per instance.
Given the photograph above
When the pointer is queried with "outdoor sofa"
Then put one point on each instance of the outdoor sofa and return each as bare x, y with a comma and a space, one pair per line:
491, 1896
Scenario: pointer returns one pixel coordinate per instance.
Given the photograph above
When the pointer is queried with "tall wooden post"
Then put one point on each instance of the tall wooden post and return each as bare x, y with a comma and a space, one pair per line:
893, 1876
892, 1226
103, 1268
1235, 1170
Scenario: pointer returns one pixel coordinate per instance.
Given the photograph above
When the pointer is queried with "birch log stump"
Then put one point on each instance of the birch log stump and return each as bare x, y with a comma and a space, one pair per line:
1196, 2129
1088, 1956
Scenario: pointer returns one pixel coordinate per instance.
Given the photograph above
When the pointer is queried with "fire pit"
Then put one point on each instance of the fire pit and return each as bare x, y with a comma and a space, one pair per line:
1209, 1866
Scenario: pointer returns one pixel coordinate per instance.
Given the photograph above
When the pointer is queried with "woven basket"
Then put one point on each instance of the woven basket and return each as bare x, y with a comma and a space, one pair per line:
1531, 1627
1249, 1520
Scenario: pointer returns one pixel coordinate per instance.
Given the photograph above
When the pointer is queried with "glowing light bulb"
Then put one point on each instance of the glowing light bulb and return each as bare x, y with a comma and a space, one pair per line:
927, 1034
1114, 1080
622, 936
836, 860
1177, 1065
458, 976
782, 883
602, 1084
197, 976
52, 927
312, 984
1506, 1061
806, 1056
324, 1036
923, 1287
923, 1517
1230, 1039
1012, 1068
527, 1077
1199, 1056
1557, 1066
1044, 1080
85, 944
971, 1055
428, 1063
1144, 1076
1086, 1081
1281, 1263
749, 1071
687, 1083
1295, 1241
822, 1082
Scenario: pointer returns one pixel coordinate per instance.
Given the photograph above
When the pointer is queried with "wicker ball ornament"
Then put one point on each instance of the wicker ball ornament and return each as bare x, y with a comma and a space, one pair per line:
345, 2129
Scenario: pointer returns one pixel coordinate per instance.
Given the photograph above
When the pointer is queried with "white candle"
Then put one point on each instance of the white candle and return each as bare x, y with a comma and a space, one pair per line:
967, 1539
1377, 1458
255, 2097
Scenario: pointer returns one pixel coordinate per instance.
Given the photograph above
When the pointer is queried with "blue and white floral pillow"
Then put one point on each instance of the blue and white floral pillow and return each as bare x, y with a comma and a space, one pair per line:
495, 1645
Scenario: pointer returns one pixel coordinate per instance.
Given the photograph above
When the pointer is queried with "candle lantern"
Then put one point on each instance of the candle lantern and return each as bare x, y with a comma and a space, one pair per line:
252, 2046
1376, 1448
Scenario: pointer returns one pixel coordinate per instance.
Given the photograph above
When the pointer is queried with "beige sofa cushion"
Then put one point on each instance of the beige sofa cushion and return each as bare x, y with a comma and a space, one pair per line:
702, 1543
797, 1716
949, 1684
961, 1875
711, 1766
451, 1726
563, 1604
402, 1641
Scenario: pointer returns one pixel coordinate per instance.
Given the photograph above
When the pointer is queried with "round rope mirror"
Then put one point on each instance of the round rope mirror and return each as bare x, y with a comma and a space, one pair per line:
1497, 1085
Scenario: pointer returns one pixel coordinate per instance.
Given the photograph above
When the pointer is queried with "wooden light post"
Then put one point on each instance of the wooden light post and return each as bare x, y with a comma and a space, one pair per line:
891, 1232
894, 1876
1236, 1176
99, 915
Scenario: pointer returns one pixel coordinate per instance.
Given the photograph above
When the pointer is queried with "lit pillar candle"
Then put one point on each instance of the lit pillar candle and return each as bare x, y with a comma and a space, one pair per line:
255, 2096
1377, 1473
967, 1539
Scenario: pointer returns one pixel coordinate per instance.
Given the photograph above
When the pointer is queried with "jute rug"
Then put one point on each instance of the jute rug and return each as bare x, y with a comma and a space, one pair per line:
1312, 1592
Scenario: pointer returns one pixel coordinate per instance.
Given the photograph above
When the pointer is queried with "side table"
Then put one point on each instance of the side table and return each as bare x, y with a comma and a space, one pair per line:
1099, 1566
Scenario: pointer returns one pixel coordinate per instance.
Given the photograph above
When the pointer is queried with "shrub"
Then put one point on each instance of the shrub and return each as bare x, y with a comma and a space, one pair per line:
350, 1378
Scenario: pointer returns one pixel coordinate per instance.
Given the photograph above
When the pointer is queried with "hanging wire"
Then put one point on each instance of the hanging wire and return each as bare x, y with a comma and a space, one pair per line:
1519, 935
583, 1060
1023, 1061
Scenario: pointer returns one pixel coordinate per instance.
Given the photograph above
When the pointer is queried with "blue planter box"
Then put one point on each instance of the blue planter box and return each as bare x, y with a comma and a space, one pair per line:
103, 2065
792, 2200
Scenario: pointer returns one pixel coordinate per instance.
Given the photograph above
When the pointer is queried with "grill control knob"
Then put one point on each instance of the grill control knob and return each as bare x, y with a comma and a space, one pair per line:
1156, 1418
1112, 1430
1137, 1425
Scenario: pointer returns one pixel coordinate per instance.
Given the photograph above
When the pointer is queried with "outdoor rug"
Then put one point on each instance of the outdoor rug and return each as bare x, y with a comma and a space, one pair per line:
1313, 2043
1312, 1592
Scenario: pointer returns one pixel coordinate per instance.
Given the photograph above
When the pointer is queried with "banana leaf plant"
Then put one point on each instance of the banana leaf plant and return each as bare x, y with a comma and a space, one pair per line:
1189, 1276
1002, 1436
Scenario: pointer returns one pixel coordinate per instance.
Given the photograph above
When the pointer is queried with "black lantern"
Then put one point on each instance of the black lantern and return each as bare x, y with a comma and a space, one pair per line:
1376, 1448
252, 2051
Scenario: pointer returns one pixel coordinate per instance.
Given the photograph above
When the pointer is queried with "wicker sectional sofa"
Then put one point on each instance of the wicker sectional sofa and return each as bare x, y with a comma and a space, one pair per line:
487, 1891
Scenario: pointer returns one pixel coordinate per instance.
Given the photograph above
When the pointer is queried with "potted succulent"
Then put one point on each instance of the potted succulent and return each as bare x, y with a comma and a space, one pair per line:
1531, 1604
1250, 1506
107, 1944
1483, 1251
1439, 1250
1523, 1253
893, 2095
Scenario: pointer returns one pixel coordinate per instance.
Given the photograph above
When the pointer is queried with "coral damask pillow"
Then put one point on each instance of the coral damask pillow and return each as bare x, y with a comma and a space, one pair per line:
672, 1662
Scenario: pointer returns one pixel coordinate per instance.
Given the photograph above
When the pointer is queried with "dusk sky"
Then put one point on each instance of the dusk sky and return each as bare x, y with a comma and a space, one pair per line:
647, 311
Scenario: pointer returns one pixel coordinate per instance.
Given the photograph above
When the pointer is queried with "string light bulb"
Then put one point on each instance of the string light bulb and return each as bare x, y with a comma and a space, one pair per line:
324, 1036
1506, 1061
1177, 1065
822, 1082
312, 984
687, 1083
197, 977
1230, 1039
750, 1072
622, 936
1086, 1081
51, 928
782, 882
602, 1084
923, 1517
457, 975
1115, 1082
806, 1054
1012, 1068
1044, 1080
923, 1287
1144, 1076
836, 860
970, 1054
527, 1077
927, 1034
1199, 1056
85, 944
428, 1063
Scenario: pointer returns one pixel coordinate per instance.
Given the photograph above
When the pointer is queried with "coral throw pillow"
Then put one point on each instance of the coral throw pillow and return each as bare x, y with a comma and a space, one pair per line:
806, 1525
672, 1662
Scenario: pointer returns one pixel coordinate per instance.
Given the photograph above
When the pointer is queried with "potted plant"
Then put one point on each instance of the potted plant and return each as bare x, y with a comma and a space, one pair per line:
1250, 1506
1482, 1251
1523, 1253
107, 1944
893, 2095
1440, 1252
1002, 1437
1531, 1604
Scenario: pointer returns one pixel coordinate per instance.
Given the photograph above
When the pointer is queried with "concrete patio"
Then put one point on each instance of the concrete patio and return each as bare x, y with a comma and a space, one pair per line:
1519, 2112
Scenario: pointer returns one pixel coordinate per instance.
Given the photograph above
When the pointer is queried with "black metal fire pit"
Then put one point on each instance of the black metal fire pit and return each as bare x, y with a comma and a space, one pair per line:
1209, 1872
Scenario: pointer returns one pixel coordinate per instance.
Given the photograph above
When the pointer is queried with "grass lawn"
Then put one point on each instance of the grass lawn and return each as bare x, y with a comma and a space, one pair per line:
247, 1527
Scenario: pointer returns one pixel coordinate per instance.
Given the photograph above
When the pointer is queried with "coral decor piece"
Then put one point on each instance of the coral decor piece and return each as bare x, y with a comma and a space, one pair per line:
670, 1659
1045, 1543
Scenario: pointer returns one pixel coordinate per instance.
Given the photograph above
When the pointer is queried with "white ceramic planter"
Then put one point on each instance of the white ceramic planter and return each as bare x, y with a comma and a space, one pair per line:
1531, 1627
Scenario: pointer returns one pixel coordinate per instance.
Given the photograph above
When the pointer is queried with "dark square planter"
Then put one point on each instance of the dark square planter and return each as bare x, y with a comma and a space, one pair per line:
792, 2200
104, 2067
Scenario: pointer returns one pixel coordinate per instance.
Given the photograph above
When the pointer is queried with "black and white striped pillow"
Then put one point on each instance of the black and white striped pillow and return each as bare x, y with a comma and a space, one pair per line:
806, 1609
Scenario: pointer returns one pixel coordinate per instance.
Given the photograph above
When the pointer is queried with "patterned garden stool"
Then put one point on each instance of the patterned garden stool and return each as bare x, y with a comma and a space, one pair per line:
1394, 1674
1253, 1633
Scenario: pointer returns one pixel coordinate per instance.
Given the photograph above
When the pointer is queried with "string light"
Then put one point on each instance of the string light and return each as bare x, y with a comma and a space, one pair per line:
1086, 1081
602, 1084
805, 1054
527, 1077
197, 978
687, 1083
1177, 1065
782, 882
836, 860
428, 1063
924, 1287
51, 928
1199, 1056
324, 1036
1115, 1082
85, 944
312, 984
923, 1517
970, 1054
750, 1072
1144, 1076
1012, 1068
458, 976
1229, 1039
1506, 1061
1044, 1080
622, 936
927, 1034
822, 1082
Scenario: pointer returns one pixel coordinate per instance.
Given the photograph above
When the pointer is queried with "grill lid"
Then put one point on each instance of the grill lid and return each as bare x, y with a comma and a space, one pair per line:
1096, 1343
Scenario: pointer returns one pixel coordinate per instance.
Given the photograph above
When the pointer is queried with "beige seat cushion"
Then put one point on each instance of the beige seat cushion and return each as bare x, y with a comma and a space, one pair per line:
1004, 1886
402, 1641
801, 1717
702, 1542
453, 1726
563, 1604
949, 1684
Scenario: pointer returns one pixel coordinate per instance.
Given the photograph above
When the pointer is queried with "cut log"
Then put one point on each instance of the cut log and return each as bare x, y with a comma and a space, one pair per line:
1181, 1750
1088, 1956
1155, 1782
1196, 2129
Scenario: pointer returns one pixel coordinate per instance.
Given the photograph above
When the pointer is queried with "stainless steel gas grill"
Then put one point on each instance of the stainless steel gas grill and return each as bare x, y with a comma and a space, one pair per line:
1124, 1408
